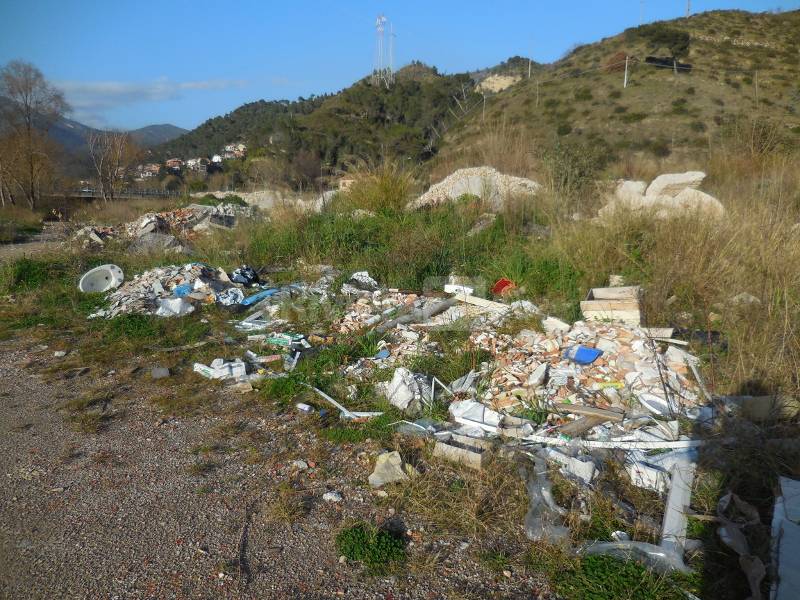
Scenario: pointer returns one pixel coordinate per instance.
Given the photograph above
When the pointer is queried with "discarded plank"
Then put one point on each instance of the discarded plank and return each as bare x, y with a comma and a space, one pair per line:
482, 302
590, 411
580, 426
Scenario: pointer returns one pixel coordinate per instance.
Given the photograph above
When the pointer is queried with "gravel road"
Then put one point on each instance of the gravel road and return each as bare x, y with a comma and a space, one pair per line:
122, 513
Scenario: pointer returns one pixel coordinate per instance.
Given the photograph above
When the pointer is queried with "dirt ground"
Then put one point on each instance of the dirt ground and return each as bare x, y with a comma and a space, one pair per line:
128, 513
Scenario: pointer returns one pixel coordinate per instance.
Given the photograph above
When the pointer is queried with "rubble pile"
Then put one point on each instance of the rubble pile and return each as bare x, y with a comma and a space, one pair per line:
167, 291
156, 230
484, 182
94, 236
532, 370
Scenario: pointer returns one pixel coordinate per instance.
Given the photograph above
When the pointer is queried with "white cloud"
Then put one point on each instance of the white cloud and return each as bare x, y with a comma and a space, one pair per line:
91, 99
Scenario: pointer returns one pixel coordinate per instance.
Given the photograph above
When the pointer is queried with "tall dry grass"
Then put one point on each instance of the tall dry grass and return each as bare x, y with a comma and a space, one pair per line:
379, 187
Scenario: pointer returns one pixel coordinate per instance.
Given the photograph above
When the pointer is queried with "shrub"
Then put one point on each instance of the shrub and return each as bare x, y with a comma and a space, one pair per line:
376, 548
573, 167
660, 35
679, 106
382, 187
583, 94
634, 117
564, 129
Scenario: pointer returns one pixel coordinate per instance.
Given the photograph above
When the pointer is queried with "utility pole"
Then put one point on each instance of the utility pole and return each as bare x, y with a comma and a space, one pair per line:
641, 13
537, 91
756, 90
688, 8
529, 68
625, 80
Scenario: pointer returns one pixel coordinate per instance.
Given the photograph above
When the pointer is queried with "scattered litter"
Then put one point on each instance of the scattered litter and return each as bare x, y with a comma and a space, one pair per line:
503, 286
245, 275
345, 413
222, 369
786, 541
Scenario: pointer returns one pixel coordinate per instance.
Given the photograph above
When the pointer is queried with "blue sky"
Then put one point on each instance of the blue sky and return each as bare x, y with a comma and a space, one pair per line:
127, 64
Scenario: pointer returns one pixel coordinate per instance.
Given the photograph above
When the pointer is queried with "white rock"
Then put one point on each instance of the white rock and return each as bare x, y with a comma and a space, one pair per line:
484, 182
630, 191
672, 184
690, 200
332, 497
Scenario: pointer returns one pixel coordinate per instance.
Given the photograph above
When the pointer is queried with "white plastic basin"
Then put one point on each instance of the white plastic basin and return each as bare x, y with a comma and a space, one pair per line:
101, 279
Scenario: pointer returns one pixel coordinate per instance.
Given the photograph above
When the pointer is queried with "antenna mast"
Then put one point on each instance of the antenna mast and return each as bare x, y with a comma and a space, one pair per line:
383, 69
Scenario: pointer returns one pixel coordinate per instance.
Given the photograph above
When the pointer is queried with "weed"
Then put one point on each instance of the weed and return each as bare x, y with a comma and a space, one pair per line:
288, 506
606, 578
378, 549
89, 422
378, 428
28, 273
201, 468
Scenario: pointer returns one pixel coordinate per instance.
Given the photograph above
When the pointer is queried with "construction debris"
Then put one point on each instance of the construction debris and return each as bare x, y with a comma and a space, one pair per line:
389, 468
166, 291
613, 304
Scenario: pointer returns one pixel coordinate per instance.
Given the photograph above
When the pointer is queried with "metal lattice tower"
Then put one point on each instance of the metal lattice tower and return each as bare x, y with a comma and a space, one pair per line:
383, 67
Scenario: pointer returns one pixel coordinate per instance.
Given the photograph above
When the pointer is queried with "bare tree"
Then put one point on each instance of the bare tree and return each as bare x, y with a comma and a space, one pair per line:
33, 106
112, 154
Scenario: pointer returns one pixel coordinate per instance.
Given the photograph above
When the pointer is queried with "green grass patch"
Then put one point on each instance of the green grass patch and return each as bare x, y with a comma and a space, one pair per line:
606, 578
377, 549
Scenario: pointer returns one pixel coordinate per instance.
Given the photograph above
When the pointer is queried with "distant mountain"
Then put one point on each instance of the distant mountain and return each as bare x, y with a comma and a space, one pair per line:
152, 135
72, 135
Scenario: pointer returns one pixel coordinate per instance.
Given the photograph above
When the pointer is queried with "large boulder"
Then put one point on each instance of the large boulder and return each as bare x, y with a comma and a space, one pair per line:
667, 196
672, 184
631, 192
486, 183
689, 200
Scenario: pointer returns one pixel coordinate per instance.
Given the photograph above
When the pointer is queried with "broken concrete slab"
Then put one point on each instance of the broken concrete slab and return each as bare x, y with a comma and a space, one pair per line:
468, 451
156, 242
389, 468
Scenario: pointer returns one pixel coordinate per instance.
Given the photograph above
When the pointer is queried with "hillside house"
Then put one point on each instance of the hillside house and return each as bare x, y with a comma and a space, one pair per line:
174, 164
234, 151
199, 165
146, 171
